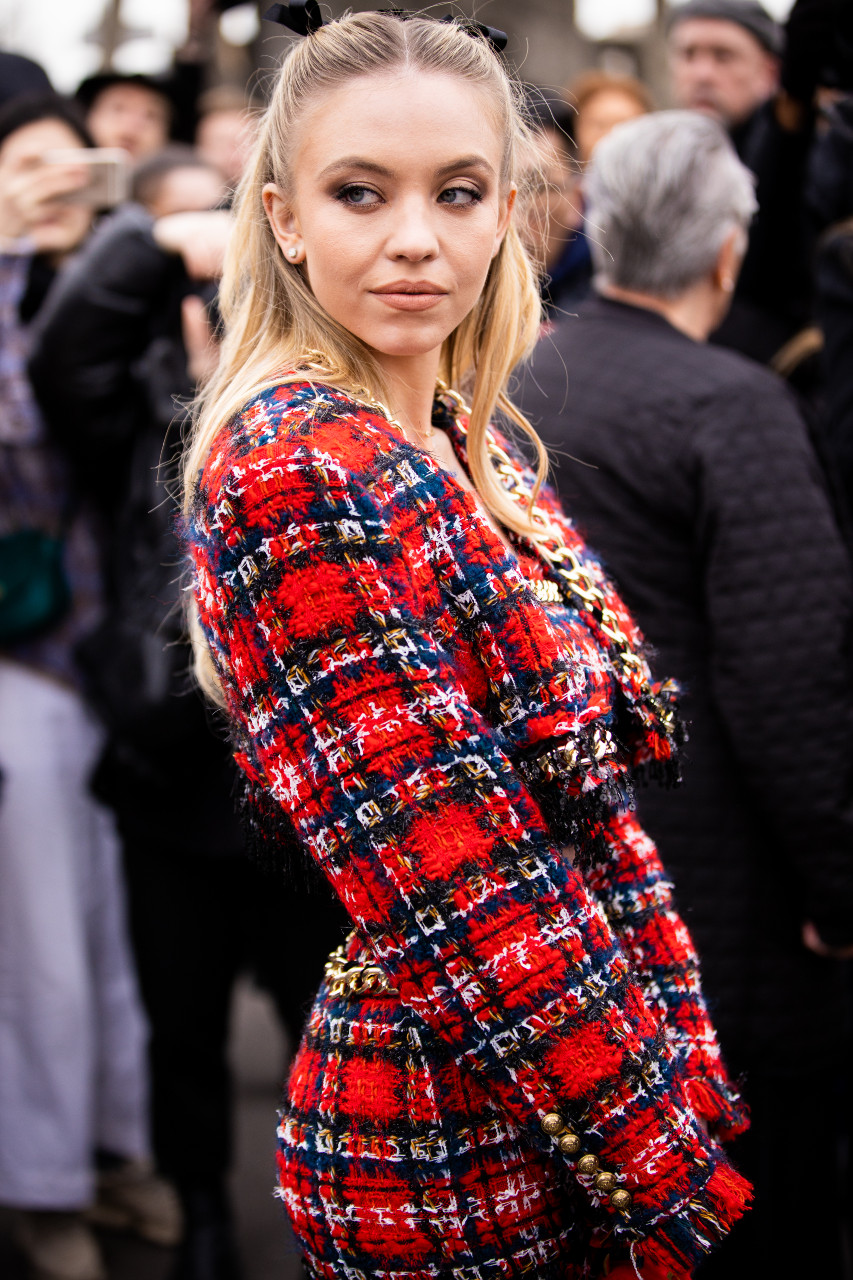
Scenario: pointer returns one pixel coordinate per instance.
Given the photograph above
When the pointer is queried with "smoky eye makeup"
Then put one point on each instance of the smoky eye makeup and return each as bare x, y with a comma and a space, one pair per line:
356, 195
460, 196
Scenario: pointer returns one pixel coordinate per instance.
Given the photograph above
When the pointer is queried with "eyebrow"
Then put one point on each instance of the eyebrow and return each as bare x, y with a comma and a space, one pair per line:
370, 166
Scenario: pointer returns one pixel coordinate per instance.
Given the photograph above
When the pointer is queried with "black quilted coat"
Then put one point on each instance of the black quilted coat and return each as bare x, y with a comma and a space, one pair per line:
692, 474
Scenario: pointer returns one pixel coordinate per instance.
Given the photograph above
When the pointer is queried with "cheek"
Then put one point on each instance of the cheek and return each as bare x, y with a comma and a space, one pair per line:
335, 261
472, 253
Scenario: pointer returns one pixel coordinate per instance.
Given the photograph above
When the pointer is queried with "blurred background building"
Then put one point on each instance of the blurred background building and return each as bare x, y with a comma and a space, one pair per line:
551, 41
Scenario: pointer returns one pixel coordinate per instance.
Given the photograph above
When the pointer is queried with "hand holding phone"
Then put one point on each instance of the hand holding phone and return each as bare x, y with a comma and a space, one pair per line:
106, 169
31, 194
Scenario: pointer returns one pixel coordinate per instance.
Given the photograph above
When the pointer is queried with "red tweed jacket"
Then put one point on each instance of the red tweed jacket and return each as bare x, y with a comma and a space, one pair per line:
536, 1084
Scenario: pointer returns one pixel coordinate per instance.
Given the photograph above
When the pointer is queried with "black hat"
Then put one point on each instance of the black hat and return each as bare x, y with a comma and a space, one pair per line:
21, 77
749, 14
89, 89
20, 112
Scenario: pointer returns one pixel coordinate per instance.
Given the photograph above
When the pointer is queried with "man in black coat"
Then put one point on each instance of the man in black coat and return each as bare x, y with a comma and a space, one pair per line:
690, 470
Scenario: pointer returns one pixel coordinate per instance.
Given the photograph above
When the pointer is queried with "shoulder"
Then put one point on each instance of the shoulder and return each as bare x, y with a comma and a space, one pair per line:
608, 356
120, 260
294, 421
130, 227
298, 453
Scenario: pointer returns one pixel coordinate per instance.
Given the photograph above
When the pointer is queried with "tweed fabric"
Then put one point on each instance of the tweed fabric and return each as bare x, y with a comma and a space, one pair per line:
386, 667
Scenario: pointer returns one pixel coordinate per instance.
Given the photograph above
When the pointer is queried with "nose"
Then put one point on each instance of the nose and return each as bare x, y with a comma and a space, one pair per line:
413, 234
704, 67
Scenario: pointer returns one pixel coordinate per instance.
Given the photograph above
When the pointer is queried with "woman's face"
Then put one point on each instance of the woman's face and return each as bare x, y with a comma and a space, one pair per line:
601, 113
396, 208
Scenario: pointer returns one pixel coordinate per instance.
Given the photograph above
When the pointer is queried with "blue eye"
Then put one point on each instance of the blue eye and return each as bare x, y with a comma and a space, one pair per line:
357, 196
461, 197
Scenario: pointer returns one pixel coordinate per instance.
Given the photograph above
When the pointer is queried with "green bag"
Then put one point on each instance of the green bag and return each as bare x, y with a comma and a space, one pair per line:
34, 590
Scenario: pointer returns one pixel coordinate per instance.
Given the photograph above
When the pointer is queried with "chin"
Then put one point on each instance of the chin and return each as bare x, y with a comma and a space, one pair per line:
709, 109
404, 346
56, 244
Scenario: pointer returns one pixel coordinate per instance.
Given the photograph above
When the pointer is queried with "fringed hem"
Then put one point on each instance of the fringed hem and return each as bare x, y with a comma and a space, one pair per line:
719, 1106
681, 1242
270, 838
578, 785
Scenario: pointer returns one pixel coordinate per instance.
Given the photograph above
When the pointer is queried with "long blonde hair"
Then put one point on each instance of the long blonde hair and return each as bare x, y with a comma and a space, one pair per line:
271, 317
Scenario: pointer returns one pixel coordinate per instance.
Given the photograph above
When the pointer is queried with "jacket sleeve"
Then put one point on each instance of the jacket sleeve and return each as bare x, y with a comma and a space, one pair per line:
779, 604
352, 718
637, 897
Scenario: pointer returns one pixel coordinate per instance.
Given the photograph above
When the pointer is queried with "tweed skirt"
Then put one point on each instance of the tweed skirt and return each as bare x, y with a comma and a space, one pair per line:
394, 1163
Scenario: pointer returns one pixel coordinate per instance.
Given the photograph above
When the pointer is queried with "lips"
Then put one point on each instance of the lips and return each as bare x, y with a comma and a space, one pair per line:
410, 295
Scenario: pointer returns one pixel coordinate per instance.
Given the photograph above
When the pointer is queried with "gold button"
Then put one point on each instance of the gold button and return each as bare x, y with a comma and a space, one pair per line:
588, 1164
552, 1124
569, 1144
621, 1200
605, 1182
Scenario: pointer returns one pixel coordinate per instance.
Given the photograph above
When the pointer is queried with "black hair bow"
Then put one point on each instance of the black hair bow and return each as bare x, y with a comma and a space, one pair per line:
304, 17
496, 38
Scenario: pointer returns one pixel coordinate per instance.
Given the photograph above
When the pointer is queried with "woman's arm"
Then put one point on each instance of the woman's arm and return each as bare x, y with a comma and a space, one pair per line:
353, 719
632, 886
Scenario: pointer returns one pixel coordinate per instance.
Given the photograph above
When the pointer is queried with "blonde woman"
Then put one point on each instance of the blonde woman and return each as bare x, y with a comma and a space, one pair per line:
435, 694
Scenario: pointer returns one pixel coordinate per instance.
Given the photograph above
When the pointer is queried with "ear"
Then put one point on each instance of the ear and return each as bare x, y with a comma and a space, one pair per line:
284, 223
507, 205
729, 260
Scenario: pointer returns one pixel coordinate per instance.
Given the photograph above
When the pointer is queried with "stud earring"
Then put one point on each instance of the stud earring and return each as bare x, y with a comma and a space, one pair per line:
293, 253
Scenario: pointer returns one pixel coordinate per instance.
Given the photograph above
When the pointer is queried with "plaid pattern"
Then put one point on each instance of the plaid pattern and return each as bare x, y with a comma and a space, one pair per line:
386, 666
371, 1100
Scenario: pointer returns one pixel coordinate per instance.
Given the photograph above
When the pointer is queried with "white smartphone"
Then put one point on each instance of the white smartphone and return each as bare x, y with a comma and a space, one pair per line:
109, 174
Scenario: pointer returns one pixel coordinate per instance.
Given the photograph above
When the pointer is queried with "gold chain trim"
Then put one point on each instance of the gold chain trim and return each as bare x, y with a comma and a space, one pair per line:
570, 755
545, 590
579, 580
355, 977
565, 560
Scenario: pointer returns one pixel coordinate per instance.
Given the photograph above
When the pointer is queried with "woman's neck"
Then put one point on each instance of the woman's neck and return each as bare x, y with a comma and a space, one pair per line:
411, 390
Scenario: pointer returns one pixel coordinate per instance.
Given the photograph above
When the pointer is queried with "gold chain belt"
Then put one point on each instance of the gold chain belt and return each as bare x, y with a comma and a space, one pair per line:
355, 977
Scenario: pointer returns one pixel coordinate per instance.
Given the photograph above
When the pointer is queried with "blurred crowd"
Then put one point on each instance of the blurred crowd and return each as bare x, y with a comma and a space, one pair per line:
694, 382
